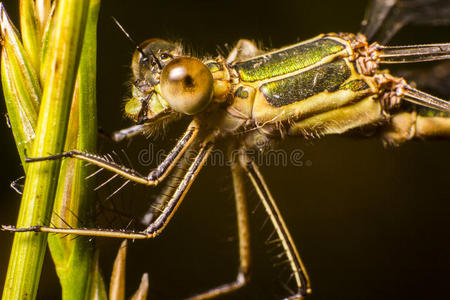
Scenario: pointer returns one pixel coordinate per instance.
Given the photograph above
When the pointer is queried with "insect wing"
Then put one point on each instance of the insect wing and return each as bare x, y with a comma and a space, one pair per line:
435, 78
384, 18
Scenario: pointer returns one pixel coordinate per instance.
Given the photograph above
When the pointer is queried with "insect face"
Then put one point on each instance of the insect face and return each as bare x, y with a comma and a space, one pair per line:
146, 104
166, 82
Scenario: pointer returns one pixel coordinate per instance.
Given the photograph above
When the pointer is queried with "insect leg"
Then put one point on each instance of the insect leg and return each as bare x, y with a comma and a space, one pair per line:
244, 239
407, 125
155, 227
170, 185
298, 270
128, 133
153, 178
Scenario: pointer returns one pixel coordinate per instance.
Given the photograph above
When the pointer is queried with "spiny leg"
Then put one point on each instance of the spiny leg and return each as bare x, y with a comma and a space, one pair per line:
170, 185
244, 239
298, 270
153, 178
155, 227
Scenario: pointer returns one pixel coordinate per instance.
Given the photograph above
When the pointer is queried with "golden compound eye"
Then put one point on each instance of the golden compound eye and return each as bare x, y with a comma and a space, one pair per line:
187, 85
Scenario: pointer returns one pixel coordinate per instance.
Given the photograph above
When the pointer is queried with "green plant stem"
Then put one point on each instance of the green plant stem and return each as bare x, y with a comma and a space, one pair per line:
60, 68
75, 198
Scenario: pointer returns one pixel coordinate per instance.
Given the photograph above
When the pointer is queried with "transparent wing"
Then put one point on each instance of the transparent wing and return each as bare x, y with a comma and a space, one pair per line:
384, 18
435, 78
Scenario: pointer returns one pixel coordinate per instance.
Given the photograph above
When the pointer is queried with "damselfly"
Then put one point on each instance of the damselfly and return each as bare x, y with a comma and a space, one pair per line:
253, 99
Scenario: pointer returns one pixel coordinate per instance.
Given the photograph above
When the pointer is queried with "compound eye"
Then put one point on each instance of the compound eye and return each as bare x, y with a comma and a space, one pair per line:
187, 85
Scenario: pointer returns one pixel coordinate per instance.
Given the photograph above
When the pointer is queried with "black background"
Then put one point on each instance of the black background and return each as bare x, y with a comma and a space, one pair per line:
370, 222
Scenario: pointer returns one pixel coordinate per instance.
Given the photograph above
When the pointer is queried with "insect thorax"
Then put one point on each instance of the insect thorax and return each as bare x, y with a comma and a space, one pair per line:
293, 83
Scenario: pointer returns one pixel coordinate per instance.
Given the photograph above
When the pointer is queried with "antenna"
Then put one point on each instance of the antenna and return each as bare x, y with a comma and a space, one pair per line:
138, 48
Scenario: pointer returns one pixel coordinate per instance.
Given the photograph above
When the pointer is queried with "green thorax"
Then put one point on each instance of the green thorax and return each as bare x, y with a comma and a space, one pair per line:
292, 58
304, 79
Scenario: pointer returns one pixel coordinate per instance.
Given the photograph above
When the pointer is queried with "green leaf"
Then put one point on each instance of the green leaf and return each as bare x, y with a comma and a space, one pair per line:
21, 86
31, 33
97, 288
23, 127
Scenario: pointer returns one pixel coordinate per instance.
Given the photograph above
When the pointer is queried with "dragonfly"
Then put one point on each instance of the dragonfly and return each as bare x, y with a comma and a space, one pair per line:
330, 84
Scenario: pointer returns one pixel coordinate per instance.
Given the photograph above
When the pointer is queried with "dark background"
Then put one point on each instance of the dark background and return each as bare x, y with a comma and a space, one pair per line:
370, 222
